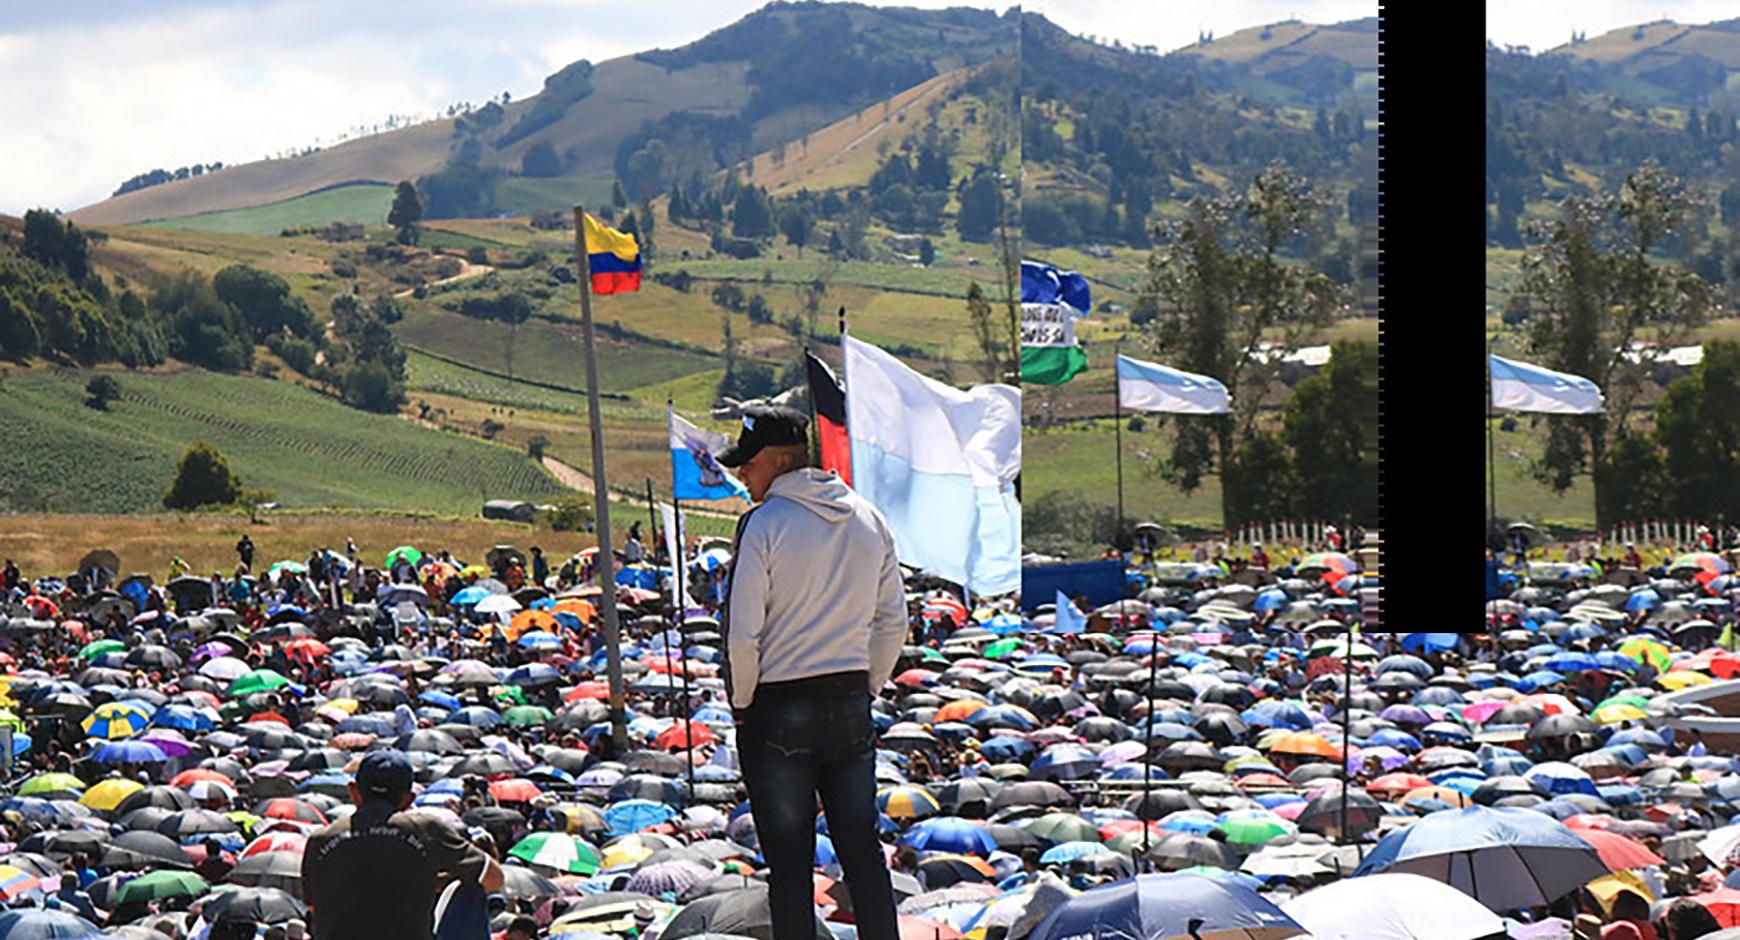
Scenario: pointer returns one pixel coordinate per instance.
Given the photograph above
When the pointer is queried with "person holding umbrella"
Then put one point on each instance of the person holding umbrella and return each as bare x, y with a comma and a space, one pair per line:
815, 618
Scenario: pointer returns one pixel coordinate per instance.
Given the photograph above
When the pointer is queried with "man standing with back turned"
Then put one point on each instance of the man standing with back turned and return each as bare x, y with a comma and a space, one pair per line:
815, 620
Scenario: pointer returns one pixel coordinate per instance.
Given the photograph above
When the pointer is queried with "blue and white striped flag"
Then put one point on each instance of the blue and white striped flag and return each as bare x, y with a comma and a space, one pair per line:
1150, 386
1520, 386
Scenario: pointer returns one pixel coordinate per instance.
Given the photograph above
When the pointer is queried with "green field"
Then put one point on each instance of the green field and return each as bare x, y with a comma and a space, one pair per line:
364, 203
546, 352
893, 277
57, 455
1520, 496
1081, 457
523, 195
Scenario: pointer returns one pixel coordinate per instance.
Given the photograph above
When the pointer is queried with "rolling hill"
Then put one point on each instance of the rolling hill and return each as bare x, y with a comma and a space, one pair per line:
752, 70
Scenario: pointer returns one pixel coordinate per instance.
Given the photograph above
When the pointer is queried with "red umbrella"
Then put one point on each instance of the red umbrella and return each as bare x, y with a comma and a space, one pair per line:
915, 678
674, 738
1723, 904
306, 649
352, 740
514, 790
1617, 852
1397, 783
1583, 822
196, 774
268, 717
287, 808
591, 690
278, 841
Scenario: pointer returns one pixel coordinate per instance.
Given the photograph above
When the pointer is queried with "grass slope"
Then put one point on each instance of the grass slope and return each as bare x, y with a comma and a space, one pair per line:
57, 455
364, 203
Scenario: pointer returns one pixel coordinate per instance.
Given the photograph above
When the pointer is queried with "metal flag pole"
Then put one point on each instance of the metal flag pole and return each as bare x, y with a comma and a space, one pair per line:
1148, 733
1491, 447
1118, 438
652, 518
680, 578
606, 562
1346, 727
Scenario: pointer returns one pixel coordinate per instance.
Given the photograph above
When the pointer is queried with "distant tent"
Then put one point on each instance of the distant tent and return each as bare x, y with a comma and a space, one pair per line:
511, 509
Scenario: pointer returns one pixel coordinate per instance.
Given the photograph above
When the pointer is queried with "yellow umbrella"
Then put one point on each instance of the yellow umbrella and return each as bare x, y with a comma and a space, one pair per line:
108, 794
626, 853
1608, 887
1648, 651
1618, 712
1682, 679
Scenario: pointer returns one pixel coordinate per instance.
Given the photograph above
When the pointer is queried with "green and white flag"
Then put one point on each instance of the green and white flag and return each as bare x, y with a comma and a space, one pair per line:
1051, 301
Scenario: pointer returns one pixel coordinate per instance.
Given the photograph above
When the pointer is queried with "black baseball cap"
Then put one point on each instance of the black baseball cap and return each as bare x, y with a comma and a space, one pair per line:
384, 775
766, 426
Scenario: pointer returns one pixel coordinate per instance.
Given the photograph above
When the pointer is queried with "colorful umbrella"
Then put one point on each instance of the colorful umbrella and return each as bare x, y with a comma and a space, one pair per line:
158, 885
116, 720
407, 553
259, 680
558, 850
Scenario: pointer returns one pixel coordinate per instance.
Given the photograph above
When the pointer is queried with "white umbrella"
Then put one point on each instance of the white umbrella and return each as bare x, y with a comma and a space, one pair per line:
1392, 906
226, 668
497, 604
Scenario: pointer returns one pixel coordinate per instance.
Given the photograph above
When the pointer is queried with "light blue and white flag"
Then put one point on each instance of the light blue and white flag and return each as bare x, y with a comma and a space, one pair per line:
940, 464
1150, 386
1069, 620
1520, 386
695, 474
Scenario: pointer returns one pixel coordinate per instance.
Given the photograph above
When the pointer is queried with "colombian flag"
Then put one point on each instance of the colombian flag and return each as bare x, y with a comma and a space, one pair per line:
614, 259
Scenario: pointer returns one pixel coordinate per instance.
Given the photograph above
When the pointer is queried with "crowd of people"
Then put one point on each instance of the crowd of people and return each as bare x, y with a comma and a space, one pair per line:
197, 758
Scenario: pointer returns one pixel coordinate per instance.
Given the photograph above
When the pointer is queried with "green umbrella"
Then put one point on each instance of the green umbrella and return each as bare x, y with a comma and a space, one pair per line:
1253, 827
1002, 648
51, 783
558, 850
409, 553
11, 720
508, 693
260, 680
295, 566
933, 656
162, 884
93, 650
526, 716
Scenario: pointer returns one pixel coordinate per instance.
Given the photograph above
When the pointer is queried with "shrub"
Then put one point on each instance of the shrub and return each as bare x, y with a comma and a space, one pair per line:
100, 391
203, 478
571, 515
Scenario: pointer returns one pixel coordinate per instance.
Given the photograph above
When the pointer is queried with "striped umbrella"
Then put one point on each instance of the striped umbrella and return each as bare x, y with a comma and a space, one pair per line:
558, 850
115, 720
14, 881
907, 802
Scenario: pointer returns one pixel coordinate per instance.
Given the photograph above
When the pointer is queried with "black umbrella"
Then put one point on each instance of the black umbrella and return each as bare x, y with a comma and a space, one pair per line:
570, 759
259, 905
1324, 813
648, 787
281, 870
1014, 838
1493, 789
718, 884
151, 656
1102, 728
521, 882
1032, 793
966, 792
193, 822
1183, 850
1222, 728
39, 865
1558, 726
744, 913
430, 740
321, 758
1156, 804
65, 842
144, 849
144, 818
653, 762
484, 763
1180, 756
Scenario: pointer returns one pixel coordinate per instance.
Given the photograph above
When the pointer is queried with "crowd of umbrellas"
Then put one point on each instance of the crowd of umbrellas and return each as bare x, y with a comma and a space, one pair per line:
1195, 761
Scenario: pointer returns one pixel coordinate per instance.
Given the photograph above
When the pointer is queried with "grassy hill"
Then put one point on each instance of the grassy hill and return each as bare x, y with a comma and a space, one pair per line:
749, 69
357, 203
58, 455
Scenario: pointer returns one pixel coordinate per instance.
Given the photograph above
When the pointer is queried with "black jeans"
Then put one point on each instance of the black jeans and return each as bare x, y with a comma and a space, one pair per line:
795, 742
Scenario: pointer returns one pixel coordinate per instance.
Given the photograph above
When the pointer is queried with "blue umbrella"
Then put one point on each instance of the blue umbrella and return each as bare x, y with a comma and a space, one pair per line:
1064, 762
1396, 738
184, 718
1007, 748
1422, 643
1169, 907
436, 697
129, 752
1503, 857
1538, 679
540, 640
45, 924
1609, 659
950, 834
1277, 714
1569, 661
1271, 599
1438, 695
470, 596
1413, 665
1558, 778
20, 743
1065, 852
1642, 599
1642, 737
634, 815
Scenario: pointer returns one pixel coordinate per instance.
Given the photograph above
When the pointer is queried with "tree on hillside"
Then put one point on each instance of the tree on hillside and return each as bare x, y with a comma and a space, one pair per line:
55, 243
540, 160
202, 478
264, 301
978, 216
985, 335
794, 224
750, 217
1220, 288
1697, 427
100, 391
1591, 289
406, 212
1327, 438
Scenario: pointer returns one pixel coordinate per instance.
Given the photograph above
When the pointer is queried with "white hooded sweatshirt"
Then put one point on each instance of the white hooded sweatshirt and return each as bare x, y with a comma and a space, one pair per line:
815, 588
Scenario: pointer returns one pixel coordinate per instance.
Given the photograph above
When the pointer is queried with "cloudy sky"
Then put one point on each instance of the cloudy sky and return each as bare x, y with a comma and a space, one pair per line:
98, 91
1544, 24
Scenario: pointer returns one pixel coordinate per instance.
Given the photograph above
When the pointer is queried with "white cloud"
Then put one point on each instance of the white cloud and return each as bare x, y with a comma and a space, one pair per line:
1545, 24
1176, 24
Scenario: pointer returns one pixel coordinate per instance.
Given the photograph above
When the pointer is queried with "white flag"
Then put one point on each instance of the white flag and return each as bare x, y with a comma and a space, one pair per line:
1149, 386
1520, 386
